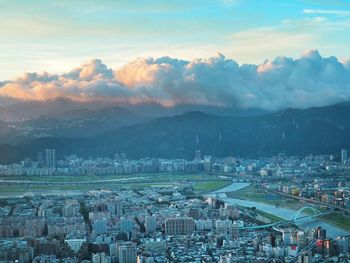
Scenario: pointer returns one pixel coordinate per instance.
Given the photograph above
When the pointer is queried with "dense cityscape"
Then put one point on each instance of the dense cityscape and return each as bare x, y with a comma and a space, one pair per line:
172, 221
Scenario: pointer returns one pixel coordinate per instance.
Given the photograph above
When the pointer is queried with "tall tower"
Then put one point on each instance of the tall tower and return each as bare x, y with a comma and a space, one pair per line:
344, 156
53, 158
197, 139
197, 155
220, 136
151, 224
50, 158
40, 159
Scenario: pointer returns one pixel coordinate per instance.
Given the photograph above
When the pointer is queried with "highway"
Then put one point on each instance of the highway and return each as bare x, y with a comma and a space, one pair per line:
309, 247
311, 201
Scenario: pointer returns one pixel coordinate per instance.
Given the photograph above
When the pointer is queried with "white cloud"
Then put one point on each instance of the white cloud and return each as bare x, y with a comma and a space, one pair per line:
311, 80
327, 12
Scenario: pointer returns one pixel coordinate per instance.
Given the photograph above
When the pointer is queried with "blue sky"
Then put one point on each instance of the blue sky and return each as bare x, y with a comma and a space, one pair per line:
56, 36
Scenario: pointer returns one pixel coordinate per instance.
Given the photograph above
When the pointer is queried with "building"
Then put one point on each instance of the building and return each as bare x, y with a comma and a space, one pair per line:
320, 233
126, 224
50, 158
40, 159
223, 226
204, 224
75, 244
207, 163
115, 207
344, 156
150, 224
305, 257
101, 258
100, 226
127, 253
179, 226
197, 155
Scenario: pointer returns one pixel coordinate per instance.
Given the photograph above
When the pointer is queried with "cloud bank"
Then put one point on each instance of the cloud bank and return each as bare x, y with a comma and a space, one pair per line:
311, 80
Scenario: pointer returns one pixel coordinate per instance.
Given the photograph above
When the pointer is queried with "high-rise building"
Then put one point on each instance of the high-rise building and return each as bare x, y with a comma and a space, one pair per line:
301, 238
53, 157
126, 224
101, 258
150, 224
197, 155
40, 158
236, 225
342, 245
305, 257
344, 156
100, 226
115, 207
223, 226
207, 162
179, 226
320, 233
127, 253
50, 158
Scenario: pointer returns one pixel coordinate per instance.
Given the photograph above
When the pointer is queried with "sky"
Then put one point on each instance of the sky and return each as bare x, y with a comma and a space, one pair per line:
56, 36
247, 53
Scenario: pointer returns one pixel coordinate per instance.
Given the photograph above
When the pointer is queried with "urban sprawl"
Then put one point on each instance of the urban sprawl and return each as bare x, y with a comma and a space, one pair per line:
174, 221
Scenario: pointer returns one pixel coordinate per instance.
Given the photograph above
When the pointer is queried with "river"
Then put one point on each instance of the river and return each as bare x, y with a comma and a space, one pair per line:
284, 213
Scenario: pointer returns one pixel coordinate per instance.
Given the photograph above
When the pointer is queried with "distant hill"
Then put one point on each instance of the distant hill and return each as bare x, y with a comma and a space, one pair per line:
8, 114
79, 122
29, 110
322, 130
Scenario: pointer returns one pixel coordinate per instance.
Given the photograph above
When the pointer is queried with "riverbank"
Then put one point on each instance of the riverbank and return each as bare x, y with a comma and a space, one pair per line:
270, 207
253, 193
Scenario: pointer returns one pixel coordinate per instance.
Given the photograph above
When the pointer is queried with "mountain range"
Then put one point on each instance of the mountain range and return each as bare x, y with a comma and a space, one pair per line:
104, 131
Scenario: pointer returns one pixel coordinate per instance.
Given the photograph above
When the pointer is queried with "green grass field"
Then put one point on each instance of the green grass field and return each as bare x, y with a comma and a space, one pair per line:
93, 178
340, 220
273, 218
210, 186
47, 184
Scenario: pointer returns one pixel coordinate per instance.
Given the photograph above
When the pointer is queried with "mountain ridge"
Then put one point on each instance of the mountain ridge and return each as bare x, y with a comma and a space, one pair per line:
319, 130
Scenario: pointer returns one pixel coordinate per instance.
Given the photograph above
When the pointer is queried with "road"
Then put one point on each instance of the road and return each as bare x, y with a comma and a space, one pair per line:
308, 200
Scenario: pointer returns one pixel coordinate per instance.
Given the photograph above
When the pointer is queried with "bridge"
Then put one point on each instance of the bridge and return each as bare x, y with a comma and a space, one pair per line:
297, 216
315, 212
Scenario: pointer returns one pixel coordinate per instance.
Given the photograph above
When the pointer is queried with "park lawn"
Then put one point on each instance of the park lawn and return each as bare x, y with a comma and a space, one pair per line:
340, 220
209, 186
92, 178
44, 184
272, 217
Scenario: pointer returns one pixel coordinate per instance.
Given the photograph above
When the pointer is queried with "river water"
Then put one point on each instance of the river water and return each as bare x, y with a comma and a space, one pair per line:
284, 213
